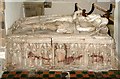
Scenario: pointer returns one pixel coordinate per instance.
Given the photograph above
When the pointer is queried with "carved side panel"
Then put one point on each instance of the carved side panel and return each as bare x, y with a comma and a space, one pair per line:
69, 55
88, 56
31, 53
101, 56
43, 53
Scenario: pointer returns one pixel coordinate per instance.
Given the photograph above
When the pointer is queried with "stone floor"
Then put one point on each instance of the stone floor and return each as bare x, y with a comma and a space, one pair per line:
112, 74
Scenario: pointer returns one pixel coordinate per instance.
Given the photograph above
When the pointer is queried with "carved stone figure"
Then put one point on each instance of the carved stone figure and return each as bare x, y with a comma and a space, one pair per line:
90, 23
60, 54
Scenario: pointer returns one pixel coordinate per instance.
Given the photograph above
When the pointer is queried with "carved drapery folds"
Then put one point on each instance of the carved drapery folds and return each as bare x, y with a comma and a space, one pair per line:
94, 24
64, 54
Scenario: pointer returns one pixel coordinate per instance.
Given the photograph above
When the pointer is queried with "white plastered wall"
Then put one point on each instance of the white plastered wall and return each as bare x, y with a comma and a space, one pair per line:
13, 11
117, 28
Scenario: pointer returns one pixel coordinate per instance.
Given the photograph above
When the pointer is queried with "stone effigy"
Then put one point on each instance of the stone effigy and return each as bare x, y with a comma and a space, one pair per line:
56, 43
61, 24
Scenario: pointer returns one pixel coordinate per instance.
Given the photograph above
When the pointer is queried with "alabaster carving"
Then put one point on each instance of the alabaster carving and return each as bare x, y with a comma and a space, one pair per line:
60, 43
93, 23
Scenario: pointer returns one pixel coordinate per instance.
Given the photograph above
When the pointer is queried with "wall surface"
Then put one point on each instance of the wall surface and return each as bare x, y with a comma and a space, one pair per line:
13, 11
62, 8
67, 7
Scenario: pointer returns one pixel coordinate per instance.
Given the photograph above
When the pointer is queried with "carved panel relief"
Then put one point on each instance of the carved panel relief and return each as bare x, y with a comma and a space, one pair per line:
29, 54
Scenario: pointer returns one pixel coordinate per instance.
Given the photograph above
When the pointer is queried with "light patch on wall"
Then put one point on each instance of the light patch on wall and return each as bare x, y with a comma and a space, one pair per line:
2, 55
105, 0
62, 1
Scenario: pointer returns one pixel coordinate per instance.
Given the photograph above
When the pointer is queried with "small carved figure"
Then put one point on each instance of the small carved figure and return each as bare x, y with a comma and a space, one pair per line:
60, 53
32, 58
